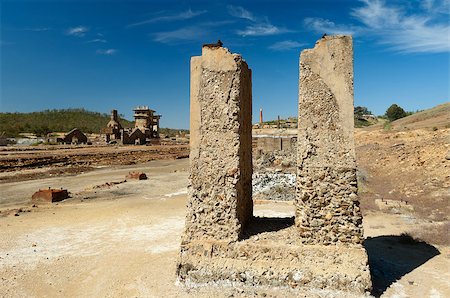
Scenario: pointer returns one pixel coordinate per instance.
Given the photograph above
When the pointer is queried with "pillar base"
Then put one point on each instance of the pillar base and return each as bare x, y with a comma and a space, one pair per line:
275, 259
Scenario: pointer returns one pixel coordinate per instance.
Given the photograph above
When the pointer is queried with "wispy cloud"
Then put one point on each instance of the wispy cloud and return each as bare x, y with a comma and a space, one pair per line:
424, 31
260, 26
107, 52
79, 31
262, 29
326, 26
286, 45
99, 40
240, 12
436, 6
408, 33
183, 34
185, 15
38, 29
199, 32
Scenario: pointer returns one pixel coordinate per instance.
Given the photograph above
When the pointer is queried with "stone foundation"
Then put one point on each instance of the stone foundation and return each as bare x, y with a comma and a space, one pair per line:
276, 259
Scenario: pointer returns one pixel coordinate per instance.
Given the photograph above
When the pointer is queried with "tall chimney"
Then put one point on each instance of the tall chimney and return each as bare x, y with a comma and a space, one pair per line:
260, 117
114, 115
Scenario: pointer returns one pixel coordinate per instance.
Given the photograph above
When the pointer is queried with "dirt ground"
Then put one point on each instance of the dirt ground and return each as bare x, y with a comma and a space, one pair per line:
19, 163
123, 241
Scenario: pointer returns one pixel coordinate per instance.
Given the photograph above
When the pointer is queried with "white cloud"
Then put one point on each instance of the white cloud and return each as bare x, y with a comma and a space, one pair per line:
286, 45
38, 29
185, 15
99, 40
262, 29
79, 31
240, 12
108, 52
436, 6
421, 32
375, 14
182, 34
424, 31
260, 26
326, 26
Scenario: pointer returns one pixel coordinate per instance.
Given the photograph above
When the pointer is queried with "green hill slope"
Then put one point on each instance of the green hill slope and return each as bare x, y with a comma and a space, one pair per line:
41, 123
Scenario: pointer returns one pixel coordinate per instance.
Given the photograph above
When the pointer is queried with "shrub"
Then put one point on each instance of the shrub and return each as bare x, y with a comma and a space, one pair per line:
395, 112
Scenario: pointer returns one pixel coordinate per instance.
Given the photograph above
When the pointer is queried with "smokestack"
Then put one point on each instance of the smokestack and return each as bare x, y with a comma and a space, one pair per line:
260, 117
114, 115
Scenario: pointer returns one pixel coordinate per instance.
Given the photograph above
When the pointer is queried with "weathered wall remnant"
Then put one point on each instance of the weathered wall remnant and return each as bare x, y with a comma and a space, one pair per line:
220, 199
265, 143
135, 136
222, 241
327, 206
75, 136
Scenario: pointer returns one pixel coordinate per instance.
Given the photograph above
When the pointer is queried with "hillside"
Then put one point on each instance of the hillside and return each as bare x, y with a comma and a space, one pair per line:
43, 122
434, 118
437, 117
408, 161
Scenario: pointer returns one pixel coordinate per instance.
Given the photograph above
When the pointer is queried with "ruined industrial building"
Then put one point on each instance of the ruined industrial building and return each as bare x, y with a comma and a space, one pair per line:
223, 242
75, 137
146, 128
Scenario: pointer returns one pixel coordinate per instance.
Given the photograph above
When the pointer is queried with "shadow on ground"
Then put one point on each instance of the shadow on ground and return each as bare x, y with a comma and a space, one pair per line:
259, 225
391, 257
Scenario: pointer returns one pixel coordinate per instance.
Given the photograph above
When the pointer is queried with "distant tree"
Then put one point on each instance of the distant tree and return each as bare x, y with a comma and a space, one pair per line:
359, 111
395, 112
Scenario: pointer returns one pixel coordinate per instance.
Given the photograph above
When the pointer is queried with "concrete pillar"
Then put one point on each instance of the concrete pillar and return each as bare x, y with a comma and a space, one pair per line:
327, 209
220, 198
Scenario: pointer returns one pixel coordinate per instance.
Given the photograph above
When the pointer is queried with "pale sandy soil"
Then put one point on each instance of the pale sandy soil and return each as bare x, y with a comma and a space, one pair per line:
123, 241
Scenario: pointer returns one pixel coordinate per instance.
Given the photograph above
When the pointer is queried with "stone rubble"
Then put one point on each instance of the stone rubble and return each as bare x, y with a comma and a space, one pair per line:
274, 186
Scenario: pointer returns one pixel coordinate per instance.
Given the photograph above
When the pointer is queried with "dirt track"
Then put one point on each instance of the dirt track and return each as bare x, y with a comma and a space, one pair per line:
123, 241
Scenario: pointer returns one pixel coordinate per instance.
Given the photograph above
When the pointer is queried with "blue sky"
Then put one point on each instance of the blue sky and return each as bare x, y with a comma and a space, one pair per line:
102, 55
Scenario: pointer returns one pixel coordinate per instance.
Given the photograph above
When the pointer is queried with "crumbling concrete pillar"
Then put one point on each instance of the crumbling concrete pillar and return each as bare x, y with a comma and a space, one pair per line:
327, 206
220, 205
220, 198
